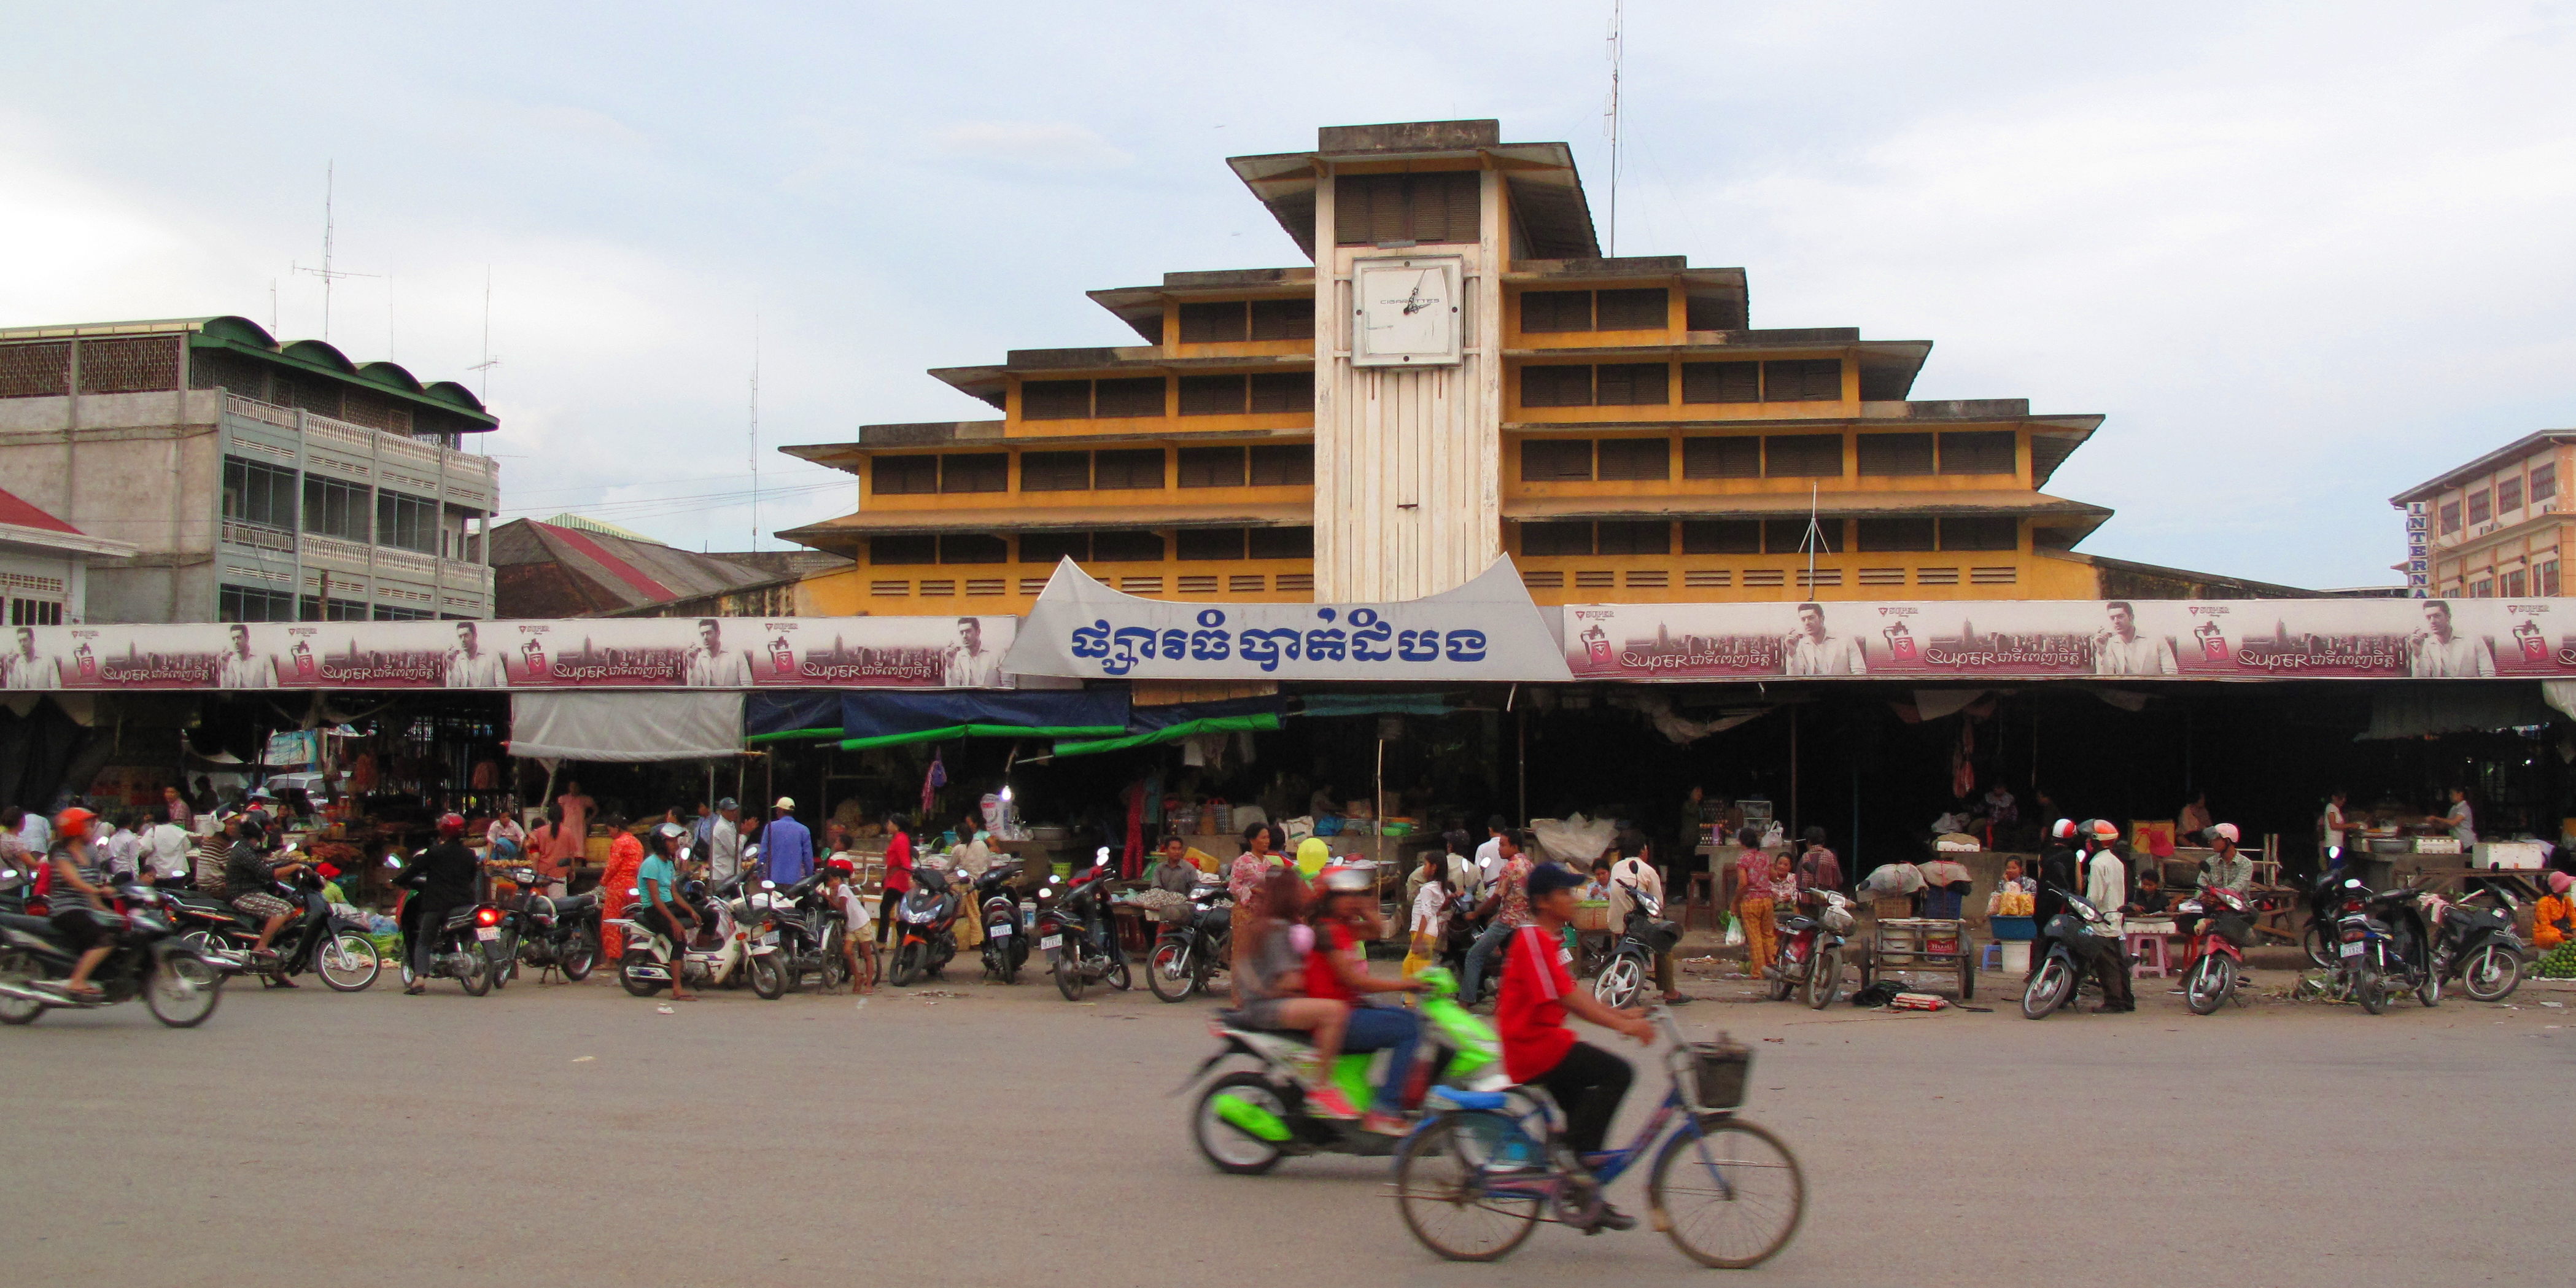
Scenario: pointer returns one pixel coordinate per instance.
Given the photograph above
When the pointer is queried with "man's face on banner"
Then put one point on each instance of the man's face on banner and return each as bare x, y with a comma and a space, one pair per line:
2437, 618
1811, 623
465, 638
711, 637
241, 641
970, 633
2123, 623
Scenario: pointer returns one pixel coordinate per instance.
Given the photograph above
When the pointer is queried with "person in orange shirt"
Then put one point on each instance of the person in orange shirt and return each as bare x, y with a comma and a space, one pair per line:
2555, 919
616, 885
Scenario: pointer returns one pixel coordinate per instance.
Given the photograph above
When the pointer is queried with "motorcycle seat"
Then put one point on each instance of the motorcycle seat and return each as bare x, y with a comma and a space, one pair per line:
1236, 1019
572, 903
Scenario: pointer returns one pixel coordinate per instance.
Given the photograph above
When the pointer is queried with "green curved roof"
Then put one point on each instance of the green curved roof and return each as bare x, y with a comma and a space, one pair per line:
241, 335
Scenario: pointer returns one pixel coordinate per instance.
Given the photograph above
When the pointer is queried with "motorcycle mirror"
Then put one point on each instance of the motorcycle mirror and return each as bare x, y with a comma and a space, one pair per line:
2334, 854
392, 860
684, 854
768, 885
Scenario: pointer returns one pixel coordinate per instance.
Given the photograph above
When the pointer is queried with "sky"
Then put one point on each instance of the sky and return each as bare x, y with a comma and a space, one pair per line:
2301, 256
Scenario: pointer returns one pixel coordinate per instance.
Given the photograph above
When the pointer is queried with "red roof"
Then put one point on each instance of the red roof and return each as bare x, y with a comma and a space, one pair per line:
17, 511
626, 572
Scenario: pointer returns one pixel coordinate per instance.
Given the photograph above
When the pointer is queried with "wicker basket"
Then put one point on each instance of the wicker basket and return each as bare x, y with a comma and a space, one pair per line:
1592, 915
1714, 1074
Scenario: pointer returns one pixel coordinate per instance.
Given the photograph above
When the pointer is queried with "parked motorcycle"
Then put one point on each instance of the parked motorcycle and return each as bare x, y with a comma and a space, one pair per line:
2080, 938
732, 958
1645, 937
2382, 947
148, 959
1249, 1119
551, 934
2480, 947
997, 902
1187, 951
1811, 951
312, 941
2215, 949
925, 925
2324, 900
1075, 933
808, 931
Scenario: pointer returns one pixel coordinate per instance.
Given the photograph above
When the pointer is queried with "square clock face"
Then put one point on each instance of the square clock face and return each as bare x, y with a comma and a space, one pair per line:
1405, 311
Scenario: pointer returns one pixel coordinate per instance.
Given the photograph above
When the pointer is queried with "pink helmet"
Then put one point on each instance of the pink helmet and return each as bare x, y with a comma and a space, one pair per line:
2558, 883
2229, 831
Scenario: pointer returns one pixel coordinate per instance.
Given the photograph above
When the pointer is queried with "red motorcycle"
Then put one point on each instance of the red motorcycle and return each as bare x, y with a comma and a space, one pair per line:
2214, 949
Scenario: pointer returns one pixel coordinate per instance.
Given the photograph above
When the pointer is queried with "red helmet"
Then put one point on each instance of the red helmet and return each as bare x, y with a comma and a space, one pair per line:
451, 825
2064, 829
74, 822
840, 865
2105, 830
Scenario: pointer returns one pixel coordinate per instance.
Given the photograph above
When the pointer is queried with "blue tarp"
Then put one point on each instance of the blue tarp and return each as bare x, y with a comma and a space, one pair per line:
766, 713
1369, 704
880, 713
1145, 719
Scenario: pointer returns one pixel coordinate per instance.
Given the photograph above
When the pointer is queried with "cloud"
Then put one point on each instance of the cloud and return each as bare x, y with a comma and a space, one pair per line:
1047, 146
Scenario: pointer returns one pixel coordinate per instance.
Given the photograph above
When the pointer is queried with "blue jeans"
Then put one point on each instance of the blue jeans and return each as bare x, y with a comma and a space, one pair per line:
1381, 1028
1486, 945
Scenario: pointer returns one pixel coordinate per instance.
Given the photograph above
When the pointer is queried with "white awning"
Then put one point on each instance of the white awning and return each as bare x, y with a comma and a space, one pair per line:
631, 726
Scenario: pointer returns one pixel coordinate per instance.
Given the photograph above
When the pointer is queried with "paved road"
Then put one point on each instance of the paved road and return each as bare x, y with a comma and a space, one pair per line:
572, 1135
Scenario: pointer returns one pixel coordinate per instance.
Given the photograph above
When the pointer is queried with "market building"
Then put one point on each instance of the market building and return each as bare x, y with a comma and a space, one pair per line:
2494, 526
256, 480
44, 565
1617, 427
570, 566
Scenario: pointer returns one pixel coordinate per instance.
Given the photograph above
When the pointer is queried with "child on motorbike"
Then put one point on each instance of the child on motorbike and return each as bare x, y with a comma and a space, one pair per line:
1430, 912
1273, 975
1338, 969
841, 890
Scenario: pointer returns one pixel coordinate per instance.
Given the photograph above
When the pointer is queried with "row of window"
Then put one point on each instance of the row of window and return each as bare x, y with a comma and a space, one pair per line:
1649, 384
1123, 469
1559, 460
1232, 321
2540, 580
2505, 498
1108, 545
1143, 396
1767, 536
35, 612
252, 604
255, 492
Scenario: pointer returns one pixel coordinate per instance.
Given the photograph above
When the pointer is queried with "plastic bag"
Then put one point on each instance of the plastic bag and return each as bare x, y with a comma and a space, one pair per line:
1734, 931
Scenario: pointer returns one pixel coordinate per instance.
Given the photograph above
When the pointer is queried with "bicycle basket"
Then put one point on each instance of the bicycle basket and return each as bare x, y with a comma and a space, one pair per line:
1713, 1074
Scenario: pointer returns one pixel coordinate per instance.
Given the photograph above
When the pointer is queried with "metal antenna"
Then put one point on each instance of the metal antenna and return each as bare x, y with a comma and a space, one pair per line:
484, 368
1814, 539
755, 430
1618, 53
326, 272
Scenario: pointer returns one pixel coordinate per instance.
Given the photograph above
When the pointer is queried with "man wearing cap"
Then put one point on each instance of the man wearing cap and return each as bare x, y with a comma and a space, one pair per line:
1529, 1016
2225, 868
789, 848
724, 842
2106, 887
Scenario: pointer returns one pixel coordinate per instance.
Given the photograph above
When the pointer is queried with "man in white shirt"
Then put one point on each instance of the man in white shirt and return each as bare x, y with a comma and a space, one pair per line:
2464, 824
239, 668
724, 843
36, 834
2106, 887
710, 666
1635, 873
2121, 650
168, 845
2331, 827
1813, 652
25, 670
2442, 654
970, 664
469, 667
1489, 856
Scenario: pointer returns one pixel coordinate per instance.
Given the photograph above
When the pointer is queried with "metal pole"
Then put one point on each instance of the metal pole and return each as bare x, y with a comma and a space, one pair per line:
1520, 750
1793, 772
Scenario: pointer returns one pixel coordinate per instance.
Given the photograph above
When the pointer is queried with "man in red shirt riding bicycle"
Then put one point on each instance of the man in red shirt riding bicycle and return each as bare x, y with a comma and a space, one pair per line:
1538, 989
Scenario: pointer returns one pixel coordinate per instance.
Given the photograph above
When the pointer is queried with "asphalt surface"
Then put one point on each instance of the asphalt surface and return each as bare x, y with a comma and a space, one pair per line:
973, 1134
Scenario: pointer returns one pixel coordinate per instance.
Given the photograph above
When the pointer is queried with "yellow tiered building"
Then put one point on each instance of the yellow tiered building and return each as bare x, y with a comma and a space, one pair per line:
1615, 426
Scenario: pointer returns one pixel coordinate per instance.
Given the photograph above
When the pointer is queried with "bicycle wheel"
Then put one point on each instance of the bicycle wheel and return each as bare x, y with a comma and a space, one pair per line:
346, 961
1729, 1195
1454, 1203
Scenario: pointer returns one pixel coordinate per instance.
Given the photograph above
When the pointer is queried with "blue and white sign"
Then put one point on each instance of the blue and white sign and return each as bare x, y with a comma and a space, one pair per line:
1487, 629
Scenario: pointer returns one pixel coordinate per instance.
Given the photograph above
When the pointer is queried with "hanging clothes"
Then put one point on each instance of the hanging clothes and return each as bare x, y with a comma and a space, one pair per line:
1131, 863
931, 783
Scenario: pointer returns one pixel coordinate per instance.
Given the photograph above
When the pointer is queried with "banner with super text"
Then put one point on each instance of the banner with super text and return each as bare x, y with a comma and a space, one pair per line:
605, 653
2235, 639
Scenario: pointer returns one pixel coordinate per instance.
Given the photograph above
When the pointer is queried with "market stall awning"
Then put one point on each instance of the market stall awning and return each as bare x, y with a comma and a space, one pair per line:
2416, 710
859, 721
625, 727
1150, 725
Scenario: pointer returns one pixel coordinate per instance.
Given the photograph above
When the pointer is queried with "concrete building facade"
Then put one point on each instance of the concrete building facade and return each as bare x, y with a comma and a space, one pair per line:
256, 481
2495, 526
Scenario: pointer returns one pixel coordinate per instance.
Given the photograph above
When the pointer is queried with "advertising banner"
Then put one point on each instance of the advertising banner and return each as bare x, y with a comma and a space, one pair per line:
1485, 630
579, 653
2235, 639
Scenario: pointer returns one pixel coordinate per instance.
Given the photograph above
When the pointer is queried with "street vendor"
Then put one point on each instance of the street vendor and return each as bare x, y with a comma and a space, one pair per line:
1637, 872
2554, 921
2226, 868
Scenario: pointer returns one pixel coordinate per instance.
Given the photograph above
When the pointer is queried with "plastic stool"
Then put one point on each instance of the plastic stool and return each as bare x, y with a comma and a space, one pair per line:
1991, 957
2151, 955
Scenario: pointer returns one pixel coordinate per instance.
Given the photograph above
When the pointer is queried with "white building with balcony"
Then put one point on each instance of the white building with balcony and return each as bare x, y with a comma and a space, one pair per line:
257, 481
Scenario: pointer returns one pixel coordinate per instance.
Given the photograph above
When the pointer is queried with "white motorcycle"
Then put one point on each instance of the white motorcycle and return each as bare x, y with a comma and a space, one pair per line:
745, 948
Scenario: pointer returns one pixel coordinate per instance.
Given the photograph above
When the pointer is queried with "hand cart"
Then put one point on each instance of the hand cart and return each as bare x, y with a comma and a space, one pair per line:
1910, 946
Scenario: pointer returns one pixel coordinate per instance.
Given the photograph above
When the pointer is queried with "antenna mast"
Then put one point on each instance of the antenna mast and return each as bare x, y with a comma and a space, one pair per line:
1618, 53
483, 369
755, 430
326, 272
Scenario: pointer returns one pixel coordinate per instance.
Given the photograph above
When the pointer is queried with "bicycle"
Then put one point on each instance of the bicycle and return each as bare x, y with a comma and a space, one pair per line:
1472, 1181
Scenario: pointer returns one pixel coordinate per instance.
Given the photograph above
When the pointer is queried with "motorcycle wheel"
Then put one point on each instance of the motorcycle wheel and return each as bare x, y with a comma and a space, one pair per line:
2212, 977
2050, 986
1016, 956
580, 957
1227, 1147
637, 986
1825, 978
907, 964
1616, 985
1782, 986
2369, 989
2429, 991
1118, 977
19, 968
474, 971
347, 962
2318, 943
182, 990
2492, 973
768, 978
1171, 973
1068, 974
